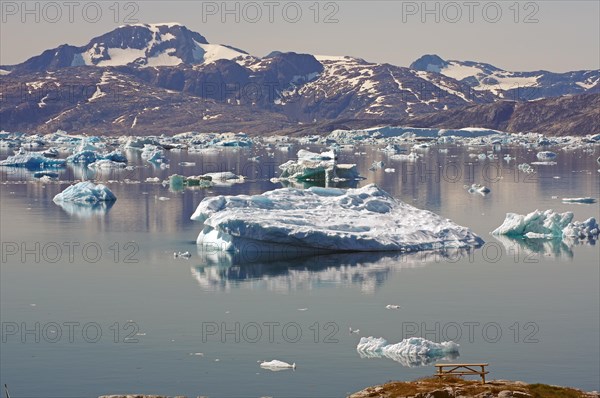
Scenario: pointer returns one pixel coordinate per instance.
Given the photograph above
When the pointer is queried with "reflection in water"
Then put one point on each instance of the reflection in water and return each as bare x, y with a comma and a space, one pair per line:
328, 184
224, 271
555, 246
409, 360
86, 210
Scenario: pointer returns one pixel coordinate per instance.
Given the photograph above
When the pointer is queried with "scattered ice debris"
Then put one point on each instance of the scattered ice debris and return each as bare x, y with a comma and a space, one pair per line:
222, 178
178, 182
480, 189
411, 157
586, 200
392, 307
352, 331
185, 255
547, 225
276, 365
546, 155
85, 192
152, 179
321, 168
326, 219
32, 161
413, 351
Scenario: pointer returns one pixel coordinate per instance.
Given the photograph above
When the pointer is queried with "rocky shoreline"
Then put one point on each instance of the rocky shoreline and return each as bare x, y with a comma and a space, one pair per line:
448, 388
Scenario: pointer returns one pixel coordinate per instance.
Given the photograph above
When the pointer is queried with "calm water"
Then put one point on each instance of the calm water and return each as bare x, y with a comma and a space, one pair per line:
530, 309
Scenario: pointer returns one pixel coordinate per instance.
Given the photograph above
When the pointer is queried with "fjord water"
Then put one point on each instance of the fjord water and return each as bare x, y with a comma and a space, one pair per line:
529, 308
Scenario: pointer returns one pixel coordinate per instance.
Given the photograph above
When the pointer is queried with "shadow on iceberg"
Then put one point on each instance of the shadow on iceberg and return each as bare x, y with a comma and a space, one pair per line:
86, 210
410, 352
280, 272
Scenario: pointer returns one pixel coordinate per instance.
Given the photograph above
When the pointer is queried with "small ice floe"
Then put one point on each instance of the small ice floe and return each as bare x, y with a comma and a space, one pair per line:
480, 189
411, 157
377, 165
163, 198
85, 192
196, 354
546, 155
104, 164
526, 168
586, 200
32, 161
545, 163
276, 365
390, 170
547, 224
353, 331
507, 157
185, 255
152, 179
414, 351
302, 309
187, 164
45, 175
392, 307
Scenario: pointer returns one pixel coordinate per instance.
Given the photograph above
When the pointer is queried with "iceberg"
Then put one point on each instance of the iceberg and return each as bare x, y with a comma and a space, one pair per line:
547, 224
276, 365
586, 200
545, 155
315, 167
413, 351
324, 219
32, 161
85, 192
153, 154
106, 164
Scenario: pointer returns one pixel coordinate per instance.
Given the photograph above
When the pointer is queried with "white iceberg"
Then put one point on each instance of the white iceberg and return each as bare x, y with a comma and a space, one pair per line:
547, 224
413, 351
480, 189
153, 154
276, 365
85, 192
324, 219
105, 164
317, 167
545, 155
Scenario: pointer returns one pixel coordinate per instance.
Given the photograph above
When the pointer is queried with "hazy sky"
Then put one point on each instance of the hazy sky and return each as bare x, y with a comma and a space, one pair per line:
524, 35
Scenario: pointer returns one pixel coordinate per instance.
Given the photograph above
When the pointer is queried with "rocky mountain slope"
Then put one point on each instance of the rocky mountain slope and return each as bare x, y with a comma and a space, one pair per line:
165, 78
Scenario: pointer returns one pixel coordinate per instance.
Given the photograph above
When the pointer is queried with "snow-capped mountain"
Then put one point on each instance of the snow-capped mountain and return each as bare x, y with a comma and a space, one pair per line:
142, 45
149, 77
511, 85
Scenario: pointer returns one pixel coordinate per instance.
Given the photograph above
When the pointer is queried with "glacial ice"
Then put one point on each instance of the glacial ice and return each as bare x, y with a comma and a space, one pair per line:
586, 200
413, 351
315, 167
324, 219
85, 192
32, 161
276, 365
547, 224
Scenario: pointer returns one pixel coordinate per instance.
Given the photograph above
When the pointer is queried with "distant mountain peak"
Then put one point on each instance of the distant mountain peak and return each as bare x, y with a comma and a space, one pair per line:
429, 63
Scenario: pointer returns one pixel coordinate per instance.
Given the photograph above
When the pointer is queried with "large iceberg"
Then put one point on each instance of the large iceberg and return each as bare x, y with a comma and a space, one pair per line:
324, 219
547, 224
85, 192
32, 161
413, 351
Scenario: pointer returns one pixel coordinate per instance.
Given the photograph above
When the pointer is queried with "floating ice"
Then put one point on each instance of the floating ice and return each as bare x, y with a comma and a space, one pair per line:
276, 365
153, 154
32, 161
546, 155
480, 189
315, 167
586, 200
413, 351
325, 219
85, 192
392, 307
547, 224
106, 164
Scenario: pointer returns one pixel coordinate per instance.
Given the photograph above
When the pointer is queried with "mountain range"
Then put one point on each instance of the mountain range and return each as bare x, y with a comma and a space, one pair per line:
164, 78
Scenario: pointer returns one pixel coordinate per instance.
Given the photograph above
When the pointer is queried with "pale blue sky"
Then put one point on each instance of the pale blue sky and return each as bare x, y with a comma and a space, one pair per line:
565, 37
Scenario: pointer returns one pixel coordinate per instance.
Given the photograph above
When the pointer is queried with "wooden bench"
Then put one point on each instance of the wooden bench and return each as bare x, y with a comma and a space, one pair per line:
461, 369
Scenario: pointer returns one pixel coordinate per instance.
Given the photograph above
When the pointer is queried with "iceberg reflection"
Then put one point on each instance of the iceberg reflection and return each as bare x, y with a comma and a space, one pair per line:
86, 210
224, 271
558, 247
